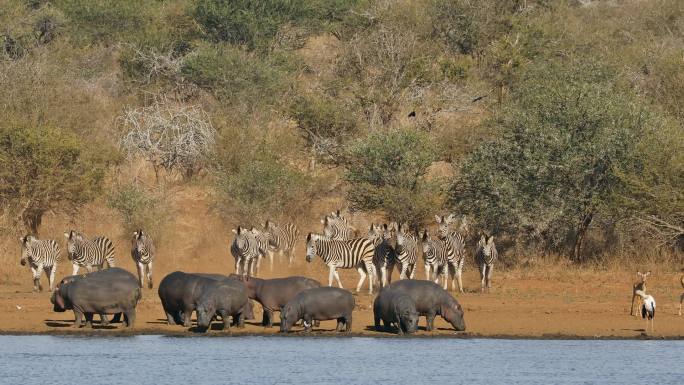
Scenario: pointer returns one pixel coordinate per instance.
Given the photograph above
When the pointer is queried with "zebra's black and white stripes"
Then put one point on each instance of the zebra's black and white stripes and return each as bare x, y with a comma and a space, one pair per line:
436, 254
281, 238
336, 227
143, 252
248, 247
347, 254
406, 249
89, 253
456, 242
385, 255
41, 255
485, 256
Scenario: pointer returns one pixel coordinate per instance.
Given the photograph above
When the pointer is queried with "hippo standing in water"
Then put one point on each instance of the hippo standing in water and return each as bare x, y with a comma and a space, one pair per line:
432, 300
179, 293
318, 304
275, 293
395, 308
110, 291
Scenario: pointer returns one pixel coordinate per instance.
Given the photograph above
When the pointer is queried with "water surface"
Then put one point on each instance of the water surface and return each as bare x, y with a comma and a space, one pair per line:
357, 360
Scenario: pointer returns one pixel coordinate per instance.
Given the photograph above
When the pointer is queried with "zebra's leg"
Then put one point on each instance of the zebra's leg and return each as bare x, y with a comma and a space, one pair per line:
149, 276
337, 277
290, 255
460, 279
270, 257
403, 269
489, 276
89, 268
681, 299
383, 274
362, 277
51, 279
482, 276
238, 263
413, 271
427, 272
141, 274
74, 270
331, 275
35, 273
445, 277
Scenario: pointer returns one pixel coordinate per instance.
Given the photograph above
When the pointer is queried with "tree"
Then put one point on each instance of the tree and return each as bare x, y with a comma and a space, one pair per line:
46, 169
386, 171
565, 133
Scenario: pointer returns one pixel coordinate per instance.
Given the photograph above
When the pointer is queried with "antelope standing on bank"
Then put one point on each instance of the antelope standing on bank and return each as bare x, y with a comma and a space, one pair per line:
638, 285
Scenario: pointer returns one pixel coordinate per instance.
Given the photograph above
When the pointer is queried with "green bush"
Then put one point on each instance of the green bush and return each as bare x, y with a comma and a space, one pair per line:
234, 75
46, 169
552, 169
254, 23
140, 208
386, 172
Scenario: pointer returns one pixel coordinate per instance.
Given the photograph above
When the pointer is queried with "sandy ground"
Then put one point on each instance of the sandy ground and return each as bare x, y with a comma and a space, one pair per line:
562, 304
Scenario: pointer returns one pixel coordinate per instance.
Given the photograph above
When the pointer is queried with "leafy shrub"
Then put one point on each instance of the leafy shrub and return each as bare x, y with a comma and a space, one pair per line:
140, 208
46, 169
386, 171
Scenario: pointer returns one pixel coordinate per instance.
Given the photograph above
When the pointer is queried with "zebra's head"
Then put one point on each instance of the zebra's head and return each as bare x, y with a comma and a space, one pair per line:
240, 239
26, 251
425, 241
74, 239
403, 237
444, 223
139, 238
311, 246
486, 244
269, 229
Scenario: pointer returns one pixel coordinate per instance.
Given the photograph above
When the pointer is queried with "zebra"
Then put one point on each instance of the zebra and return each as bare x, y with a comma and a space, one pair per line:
41, 255
88, 253
406, 249
385, 256
248, 247
281, 239
436, 254
143, 252
347, 254
336, 227
485, 256
457, 243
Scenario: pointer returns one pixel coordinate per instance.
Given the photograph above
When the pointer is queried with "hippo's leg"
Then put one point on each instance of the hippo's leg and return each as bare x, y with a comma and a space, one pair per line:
89, 320
348, 322
400, 326
104, 321
430, 319
340, 324
376, 321
78, 318
308, 323
268, 318
129, 317
187, 317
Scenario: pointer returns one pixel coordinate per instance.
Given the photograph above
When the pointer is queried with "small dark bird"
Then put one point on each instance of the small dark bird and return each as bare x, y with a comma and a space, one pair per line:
412, 114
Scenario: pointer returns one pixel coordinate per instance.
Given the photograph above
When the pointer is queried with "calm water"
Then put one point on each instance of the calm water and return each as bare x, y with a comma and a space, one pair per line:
276, 360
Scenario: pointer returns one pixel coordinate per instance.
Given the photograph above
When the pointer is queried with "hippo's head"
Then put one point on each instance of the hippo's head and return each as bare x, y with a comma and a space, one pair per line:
205, 313
57, 300
288, 317
453, 313
311, 246
408, 316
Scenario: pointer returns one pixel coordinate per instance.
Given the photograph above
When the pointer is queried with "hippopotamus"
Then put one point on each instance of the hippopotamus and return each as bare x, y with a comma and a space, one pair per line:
395, 307
320, 304
179, 293
104, 321
110, 291
220, 298
432, 300
273, 294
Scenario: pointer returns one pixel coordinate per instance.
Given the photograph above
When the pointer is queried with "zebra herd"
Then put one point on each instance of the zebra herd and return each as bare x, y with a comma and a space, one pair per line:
44, 255
375, 255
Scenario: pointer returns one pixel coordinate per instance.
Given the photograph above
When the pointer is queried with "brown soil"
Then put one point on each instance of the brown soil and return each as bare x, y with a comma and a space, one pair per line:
564, 304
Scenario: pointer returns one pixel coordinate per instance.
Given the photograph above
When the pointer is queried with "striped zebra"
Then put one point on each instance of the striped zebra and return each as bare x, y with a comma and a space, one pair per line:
142, 252
457, 243
248, 247
41, 255
336, 227
436, 254
281, 239
88, 253
406, 249
385, 257
485, 256
354, 253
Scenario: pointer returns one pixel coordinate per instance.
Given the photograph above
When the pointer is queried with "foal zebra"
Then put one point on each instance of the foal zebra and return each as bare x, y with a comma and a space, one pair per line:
457, 243
385, 256
41, 255
336, 227
248, 247
281, 239
347, 254
485, 256
406, 249
142, 252
436, 254
88, 253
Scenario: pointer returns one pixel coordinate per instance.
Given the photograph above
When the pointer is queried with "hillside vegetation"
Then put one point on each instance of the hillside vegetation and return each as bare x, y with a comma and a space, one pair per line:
558, 126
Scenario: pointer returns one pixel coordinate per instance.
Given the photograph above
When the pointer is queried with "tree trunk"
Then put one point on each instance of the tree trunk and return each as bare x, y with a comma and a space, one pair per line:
581, 234
32, 221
